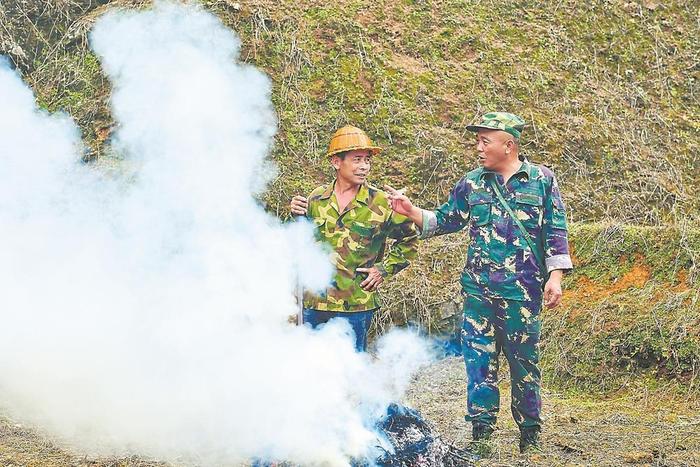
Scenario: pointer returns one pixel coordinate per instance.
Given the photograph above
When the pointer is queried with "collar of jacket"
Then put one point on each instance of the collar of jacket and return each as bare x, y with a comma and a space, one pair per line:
362, 195
525, 168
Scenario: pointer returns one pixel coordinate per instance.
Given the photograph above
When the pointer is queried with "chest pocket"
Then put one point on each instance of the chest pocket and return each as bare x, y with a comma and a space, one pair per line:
529, 208
363, 234
363, 230
480, 207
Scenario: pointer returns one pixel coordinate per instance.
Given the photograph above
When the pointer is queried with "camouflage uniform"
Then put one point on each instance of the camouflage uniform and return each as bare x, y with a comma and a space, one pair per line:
503, 282
357, 239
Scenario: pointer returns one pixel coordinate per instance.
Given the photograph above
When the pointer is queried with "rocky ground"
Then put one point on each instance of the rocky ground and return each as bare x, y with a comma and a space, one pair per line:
633, 426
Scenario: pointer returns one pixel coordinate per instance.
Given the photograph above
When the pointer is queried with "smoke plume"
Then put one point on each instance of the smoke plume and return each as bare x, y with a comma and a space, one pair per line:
144, 312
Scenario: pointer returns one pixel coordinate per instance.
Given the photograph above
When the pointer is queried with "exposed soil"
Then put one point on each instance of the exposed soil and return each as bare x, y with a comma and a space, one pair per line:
587, 290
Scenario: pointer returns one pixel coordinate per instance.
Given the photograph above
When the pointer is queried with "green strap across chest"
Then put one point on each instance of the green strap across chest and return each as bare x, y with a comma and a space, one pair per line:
521, 228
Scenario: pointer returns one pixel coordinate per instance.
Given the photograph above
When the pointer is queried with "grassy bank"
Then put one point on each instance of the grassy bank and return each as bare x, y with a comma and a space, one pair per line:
631, 308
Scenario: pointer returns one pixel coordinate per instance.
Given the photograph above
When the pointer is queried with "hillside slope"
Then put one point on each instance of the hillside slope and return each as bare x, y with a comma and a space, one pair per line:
609, 87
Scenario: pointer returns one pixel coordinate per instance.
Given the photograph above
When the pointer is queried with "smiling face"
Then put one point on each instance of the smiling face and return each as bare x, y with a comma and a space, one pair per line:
497, 149
353, 167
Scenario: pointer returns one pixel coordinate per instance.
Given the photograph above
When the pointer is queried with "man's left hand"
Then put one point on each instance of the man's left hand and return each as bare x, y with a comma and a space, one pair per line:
374, 279
552, 290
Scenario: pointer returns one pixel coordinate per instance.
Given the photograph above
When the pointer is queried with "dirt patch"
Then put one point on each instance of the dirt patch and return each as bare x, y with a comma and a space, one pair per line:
366, 18
365, 83
326, 37
585, 290
682, 281
408, 64
637, 277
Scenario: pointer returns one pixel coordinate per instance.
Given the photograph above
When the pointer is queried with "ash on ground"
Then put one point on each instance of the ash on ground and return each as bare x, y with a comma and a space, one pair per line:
415, 444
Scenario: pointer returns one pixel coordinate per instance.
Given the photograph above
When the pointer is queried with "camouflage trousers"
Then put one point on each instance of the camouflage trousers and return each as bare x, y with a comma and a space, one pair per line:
492, 325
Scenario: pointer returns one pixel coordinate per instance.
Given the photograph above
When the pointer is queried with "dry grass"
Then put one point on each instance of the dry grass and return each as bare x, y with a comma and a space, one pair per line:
610, 88
22, 446
630, 427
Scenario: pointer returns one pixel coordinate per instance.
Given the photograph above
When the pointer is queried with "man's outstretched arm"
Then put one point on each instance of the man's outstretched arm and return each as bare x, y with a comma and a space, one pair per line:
402, 205
450, 217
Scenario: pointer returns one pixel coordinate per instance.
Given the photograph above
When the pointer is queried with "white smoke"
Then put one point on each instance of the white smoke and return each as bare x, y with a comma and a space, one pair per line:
146, 313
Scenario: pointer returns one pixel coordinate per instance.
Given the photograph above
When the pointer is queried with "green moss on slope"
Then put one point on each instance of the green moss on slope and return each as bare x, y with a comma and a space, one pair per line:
631, 307
609, 88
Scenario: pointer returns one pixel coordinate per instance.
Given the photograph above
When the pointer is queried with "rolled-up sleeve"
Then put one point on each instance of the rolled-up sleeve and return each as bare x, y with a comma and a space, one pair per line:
404, 248
429, 226
555, 232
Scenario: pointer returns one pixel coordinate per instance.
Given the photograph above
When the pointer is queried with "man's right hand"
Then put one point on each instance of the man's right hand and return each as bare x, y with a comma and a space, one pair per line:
299, 205
399, 202
402, 205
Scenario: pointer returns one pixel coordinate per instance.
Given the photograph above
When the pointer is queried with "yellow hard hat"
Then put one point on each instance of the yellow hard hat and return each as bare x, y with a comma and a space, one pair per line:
350, 138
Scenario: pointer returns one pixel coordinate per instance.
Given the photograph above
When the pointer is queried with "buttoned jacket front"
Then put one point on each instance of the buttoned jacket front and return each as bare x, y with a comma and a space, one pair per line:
499, 262
357, 238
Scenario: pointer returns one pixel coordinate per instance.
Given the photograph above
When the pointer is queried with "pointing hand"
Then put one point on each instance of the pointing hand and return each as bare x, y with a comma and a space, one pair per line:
398, 201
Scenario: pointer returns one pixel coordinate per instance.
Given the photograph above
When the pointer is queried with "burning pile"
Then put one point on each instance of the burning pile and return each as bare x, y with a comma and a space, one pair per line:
414, 443
408, 442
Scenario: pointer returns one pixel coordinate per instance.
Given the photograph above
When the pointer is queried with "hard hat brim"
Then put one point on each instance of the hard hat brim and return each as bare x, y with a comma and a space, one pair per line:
373, 150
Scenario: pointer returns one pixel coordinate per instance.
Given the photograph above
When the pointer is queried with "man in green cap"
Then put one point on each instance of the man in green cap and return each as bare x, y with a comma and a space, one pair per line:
516, 258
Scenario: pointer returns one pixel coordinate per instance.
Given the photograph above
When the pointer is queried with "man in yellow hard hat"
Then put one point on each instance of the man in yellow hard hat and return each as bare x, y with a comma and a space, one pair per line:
355, 220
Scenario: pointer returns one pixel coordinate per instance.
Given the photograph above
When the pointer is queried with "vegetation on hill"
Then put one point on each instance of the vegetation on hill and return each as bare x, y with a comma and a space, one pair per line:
609, 87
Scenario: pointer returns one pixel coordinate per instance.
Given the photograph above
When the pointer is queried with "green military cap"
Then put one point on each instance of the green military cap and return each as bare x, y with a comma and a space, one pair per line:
503, 121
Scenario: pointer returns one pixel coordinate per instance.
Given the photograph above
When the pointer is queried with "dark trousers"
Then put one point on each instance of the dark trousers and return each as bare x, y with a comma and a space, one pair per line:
359, 321
492, 326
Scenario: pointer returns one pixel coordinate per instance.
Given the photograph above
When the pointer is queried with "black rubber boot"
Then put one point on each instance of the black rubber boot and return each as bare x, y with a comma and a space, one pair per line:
481, 432
480, 445
530, 440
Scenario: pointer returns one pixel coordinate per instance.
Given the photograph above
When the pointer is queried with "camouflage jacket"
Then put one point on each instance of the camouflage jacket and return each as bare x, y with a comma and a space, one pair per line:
500, 263
357, 239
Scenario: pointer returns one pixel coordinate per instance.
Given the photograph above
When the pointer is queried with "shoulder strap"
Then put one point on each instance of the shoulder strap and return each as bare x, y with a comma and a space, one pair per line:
521, 228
